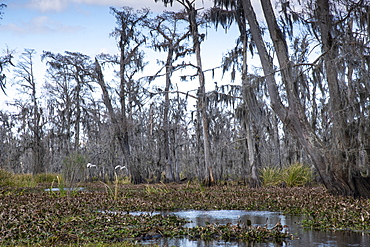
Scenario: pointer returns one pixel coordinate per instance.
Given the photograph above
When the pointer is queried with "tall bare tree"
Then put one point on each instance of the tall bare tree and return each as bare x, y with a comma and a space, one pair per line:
332, 159
73, 70
130, 61
225, 13
194, 21
10, 151
31, 111
344, 29
167, 37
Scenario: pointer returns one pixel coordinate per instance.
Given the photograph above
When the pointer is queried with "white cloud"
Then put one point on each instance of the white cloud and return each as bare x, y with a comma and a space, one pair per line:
132, 3
39, 25
137, 4
40, 21
48, 5
60, 5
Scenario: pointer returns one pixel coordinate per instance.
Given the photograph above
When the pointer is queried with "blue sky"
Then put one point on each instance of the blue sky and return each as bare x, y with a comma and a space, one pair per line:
84, 26
59, 25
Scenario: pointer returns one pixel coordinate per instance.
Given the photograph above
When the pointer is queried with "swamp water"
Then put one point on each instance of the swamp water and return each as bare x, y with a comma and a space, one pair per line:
65, 189
303, 237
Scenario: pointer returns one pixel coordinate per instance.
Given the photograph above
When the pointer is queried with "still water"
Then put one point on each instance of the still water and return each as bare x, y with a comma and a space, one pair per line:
303, 237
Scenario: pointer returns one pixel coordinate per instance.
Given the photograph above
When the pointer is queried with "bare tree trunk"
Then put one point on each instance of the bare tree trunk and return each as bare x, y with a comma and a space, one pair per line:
166, 124
250, 103
123, 122
38, 148
293, 119
202, 99
120, 133
34, 121
78, 110
327, 163
342, 163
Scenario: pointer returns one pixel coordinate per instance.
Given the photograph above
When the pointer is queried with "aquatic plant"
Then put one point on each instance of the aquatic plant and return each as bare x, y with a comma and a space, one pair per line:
92, 216
112, 192
156, 188
237, 232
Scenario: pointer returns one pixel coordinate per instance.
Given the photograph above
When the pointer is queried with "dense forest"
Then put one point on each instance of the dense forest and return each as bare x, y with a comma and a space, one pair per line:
308, 103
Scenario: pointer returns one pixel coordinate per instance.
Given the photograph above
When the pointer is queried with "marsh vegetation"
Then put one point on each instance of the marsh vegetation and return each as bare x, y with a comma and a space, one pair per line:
32, 216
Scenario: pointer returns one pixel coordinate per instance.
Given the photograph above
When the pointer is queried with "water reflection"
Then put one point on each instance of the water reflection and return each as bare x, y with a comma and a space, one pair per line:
201, 218
65, 189
304, 237
200, 243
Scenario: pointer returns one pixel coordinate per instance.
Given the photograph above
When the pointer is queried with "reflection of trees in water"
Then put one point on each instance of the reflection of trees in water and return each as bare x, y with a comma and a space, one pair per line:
304, 237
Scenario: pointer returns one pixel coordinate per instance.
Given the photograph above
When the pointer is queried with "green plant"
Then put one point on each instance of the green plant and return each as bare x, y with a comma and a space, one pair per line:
112, 192
5, 178
293, 175
271, 176
297, 175
155, 189
60, 185
23, 180
45, 177
73, 169
16, 180
116, 182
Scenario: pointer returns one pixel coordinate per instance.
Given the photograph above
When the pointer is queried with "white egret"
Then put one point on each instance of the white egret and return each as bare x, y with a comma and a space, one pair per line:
89, 165
120, 167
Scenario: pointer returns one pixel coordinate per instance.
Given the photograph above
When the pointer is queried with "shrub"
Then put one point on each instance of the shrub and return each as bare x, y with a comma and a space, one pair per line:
297, 175
292, 176
73, 167
271, 176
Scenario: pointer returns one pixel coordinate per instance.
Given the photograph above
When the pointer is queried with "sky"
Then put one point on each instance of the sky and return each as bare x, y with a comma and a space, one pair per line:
84, 26
60, 25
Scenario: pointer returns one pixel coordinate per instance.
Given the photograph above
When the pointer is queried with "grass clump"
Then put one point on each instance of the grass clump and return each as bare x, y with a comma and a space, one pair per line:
73, 167
155, 189
25, 180
9, 179
45, 177
5, 178
271, 176
295, 175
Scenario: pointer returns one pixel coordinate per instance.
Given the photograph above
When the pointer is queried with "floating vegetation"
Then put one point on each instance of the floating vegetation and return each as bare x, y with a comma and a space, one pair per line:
237, 232
44, 218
